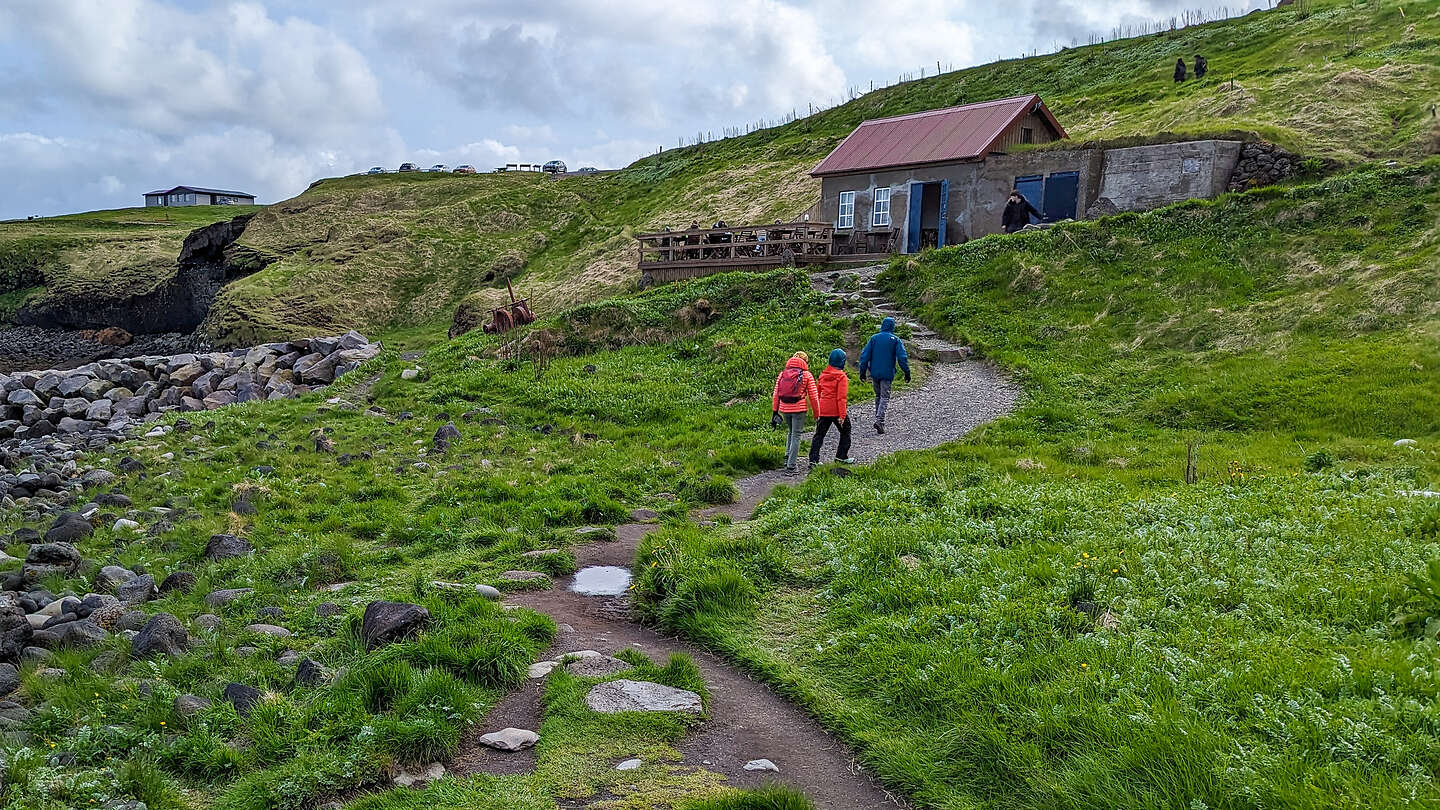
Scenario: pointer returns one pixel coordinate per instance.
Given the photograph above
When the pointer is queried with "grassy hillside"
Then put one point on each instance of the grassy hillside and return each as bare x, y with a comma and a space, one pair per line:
1340, 80
117, 253
1047, 615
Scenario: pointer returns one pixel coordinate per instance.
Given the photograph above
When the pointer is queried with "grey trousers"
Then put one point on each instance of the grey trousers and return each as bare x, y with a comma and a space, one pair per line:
882, 399
796, 422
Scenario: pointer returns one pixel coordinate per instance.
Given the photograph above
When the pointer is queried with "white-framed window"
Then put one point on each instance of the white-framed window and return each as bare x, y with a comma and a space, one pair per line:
846, 218
880, 213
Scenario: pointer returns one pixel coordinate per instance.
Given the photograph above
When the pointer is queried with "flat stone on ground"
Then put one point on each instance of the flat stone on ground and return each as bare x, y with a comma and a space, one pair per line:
510, 739
597, 667
761, 765
614, 697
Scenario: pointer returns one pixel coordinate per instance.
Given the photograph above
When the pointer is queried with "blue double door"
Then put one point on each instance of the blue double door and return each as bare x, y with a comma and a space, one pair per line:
925, 221
1056, 196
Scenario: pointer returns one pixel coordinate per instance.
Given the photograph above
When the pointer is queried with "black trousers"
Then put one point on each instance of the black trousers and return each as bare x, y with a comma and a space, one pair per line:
822, 426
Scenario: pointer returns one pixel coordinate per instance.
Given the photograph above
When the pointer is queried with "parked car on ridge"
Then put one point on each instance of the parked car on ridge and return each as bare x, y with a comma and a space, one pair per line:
464, 168
376, 170
554, 167
408, 167
438, 167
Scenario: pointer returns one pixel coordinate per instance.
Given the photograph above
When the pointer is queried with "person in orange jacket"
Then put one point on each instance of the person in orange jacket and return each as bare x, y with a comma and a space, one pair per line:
834, 387
794, 396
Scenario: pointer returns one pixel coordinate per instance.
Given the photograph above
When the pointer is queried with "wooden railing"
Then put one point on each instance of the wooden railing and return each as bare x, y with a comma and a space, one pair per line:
745, 246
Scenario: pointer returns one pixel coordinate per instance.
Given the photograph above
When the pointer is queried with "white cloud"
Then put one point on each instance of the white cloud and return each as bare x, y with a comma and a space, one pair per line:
645, 63
153, 66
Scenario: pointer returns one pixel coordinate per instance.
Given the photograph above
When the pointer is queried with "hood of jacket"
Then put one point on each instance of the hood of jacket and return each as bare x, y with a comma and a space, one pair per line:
887, 325
796, 362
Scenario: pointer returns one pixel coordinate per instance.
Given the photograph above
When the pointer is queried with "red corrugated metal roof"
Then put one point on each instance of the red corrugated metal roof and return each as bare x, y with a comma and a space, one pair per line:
935, 136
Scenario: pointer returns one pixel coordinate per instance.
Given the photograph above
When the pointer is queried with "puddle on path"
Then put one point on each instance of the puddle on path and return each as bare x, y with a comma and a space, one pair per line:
601, 580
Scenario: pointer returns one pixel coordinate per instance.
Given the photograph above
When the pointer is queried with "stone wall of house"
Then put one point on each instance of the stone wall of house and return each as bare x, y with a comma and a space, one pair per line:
1262, 164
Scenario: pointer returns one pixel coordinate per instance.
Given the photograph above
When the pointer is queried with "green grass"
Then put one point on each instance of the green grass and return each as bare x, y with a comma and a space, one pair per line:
1046, 615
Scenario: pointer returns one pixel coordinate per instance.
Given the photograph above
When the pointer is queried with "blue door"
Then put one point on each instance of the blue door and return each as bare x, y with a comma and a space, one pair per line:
944, 211
912, 221
1061, 191
1033, 188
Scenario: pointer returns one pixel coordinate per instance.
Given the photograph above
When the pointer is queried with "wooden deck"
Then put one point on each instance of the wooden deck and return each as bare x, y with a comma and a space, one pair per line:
668, 256
749, 246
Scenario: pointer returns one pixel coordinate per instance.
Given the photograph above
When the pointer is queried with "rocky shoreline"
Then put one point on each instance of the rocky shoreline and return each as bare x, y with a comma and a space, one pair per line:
48, 419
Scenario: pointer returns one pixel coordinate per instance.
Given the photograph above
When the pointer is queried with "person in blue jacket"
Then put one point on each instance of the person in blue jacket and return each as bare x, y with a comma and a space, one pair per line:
881, 355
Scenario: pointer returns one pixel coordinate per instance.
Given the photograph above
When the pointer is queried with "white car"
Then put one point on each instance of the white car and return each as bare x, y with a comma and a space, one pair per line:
438, 167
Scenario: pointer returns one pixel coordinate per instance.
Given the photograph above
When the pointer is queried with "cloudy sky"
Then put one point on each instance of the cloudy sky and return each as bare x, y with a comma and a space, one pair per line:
103, 100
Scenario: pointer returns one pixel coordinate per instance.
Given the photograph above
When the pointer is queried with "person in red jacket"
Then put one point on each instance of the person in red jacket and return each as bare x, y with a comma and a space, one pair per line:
794, 396
834, 387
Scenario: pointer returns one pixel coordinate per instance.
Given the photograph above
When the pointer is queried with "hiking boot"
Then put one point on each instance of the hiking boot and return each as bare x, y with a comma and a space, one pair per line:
792, 471
844, 461
880, 428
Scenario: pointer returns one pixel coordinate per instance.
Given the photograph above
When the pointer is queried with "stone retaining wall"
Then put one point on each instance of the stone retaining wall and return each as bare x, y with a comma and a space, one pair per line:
1262, 164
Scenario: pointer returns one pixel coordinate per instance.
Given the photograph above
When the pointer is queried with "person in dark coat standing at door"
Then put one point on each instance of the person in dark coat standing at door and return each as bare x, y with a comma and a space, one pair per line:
1179, 70
1017, 212
1201, 66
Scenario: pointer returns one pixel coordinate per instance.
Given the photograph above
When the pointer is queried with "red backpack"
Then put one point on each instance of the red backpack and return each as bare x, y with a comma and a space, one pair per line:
791, 386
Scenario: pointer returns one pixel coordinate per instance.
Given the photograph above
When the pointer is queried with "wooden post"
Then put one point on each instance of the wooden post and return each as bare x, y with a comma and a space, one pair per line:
1191, 474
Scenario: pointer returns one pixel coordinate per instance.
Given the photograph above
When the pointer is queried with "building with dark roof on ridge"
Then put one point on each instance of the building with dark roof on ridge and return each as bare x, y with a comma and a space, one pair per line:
194, 195
941, 177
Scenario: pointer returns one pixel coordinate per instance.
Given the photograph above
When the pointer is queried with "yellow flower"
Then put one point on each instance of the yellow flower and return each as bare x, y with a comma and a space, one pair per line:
1086, 555
162, 722
1114, 570
1084, 666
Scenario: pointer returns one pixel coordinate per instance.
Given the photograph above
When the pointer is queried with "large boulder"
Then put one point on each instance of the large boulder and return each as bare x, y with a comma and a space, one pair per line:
163, 634
46, 559
227, 546
81, 634
9, 679
242, 697
614, 697
388, 622
137, 590
15, 630
69, 528
182, 581
112, 577
24, 396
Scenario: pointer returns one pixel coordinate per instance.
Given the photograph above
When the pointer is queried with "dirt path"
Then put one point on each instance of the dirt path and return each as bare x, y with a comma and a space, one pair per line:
746, 719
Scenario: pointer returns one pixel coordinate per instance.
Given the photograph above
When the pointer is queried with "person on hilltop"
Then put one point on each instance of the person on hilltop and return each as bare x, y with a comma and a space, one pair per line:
883, 352
1201, 66
795, 395
834, 387
1017, 212
1179, 70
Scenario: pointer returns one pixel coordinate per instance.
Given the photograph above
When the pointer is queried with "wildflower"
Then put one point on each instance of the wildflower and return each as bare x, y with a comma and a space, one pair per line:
1086, 555
1084, 666
1114, 570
